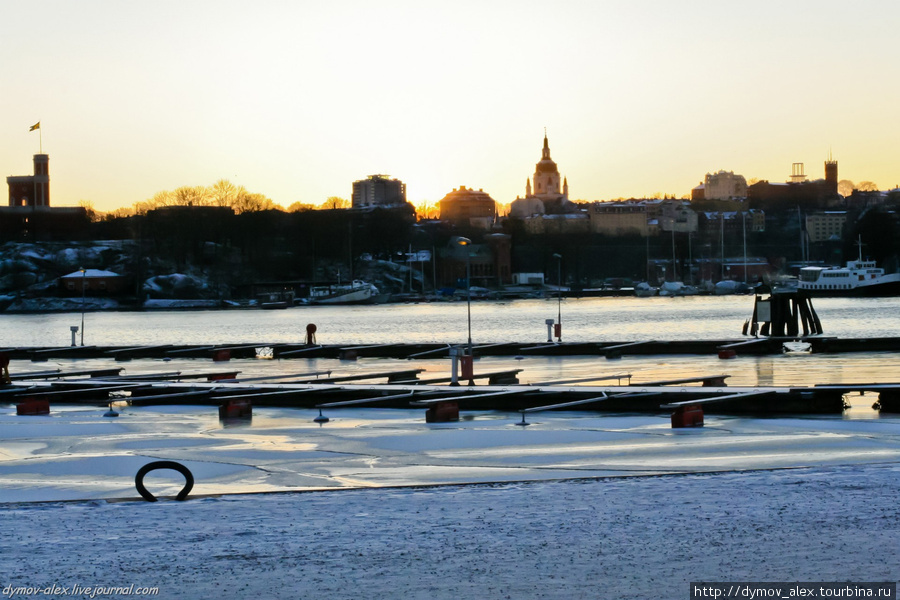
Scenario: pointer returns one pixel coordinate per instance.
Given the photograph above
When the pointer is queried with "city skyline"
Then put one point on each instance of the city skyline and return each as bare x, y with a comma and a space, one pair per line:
296, 101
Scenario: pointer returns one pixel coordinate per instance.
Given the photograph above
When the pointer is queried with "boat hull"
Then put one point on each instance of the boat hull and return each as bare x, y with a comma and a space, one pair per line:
878, 290
361, 296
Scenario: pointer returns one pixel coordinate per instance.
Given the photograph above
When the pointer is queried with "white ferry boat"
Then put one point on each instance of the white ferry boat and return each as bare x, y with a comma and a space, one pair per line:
858, 278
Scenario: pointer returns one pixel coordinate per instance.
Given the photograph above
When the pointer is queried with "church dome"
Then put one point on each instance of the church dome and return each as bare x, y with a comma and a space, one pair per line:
546, 166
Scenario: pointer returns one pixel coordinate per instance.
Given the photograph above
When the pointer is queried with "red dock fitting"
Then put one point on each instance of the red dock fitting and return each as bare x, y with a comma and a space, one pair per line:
33, 406
236, 409
442, 412
687, 416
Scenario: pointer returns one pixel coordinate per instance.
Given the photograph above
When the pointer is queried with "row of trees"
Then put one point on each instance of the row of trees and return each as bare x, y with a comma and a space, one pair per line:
221, 193
239, 199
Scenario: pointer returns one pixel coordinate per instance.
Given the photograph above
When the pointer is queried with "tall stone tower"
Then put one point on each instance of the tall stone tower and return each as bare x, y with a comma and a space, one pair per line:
31, 190
831, 175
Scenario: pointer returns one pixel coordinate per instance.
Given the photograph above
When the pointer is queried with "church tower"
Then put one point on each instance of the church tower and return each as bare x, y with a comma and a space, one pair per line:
831, 175
542, 192
546, 175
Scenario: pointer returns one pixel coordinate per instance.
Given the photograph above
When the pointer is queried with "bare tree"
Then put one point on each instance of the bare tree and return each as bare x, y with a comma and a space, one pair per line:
250, 202
867, 186
301, 207
197, 195
223, 193
846, 187
92, 214
428, 210
335, 202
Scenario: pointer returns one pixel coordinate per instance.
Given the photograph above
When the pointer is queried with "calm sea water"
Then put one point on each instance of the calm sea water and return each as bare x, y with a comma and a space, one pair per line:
586, 319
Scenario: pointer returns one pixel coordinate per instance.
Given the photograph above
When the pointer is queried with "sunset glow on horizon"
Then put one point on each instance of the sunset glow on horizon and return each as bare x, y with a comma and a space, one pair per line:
296, 100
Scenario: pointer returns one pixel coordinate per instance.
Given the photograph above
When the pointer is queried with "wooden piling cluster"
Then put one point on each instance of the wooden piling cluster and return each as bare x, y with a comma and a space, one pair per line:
783, 314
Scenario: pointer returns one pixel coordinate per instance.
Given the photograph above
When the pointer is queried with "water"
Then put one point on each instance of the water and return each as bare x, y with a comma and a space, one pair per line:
584, 320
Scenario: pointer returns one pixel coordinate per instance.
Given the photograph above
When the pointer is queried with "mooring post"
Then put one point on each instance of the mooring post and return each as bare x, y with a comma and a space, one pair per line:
454, 367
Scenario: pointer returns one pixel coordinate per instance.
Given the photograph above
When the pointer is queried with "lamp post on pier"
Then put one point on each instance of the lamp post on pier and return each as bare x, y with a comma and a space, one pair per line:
465, 243
558, 258
83, 281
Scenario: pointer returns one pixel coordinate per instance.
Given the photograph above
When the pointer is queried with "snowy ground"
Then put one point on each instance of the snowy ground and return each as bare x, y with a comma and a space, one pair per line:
603, 538
576, 505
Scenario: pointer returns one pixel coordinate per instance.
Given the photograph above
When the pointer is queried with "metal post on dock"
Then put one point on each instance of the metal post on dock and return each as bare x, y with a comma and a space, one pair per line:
558, 258
466, 243
549, 323
83, 280
454, 366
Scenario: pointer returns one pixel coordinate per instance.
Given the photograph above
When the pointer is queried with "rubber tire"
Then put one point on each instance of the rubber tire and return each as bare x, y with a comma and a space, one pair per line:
163, 464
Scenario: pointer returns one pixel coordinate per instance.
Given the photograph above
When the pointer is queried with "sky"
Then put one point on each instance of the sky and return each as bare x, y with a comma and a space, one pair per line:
297, 99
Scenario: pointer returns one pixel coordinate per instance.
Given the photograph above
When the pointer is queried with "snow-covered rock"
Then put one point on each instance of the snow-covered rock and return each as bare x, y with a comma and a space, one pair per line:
176, 286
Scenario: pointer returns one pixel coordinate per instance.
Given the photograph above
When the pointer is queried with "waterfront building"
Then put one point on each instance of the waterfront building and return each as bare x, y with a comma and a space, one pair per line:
698, 192
730, 225
490, 262
859, 200
378, 190
798, 190
92, 282
558, 224
826, 226
677, 216
466, 207
620, 218
724, 185
647, 217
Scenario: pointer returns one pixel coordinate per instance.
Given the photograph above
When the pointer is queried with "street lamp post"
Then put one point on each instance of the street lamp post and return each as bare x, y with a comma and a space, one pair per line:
465, 243
83, 278
558, 258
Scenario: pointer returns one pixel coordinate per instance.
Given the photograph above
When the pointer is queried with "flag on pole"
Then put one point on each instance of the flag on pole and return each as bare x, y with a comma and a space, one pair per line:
35, 126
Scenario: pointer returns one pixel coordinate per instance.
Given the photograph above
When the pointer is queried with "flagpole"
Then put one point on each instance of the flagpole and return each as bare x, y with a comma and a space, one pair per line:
41, 138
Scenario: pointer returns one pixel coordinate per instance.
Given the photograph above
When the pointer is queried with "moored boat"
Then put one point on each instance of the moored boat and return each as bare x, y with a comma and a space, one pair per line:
728, 287
645, 290
858, 278
276, 300
356, 292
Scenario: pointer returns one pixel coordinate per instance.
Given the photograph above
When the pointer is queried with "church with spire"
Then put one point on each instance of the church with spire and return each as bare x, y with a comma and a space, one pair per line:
546, 192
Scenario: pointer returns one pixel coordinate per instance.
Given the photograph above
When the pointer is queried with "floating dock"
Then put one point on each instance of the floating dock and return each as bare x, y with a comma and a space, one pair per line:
614, 349
402, 389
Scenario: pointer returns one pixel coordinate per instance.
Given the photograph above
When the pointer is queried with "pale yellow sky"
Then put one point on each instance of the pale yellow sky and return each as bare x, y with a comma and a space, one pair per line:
296, 100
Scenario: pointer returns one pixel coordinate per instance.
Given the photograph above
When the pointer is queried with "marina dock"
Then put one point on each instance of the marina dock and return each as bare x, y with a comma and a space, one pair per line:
611, 349
500, 391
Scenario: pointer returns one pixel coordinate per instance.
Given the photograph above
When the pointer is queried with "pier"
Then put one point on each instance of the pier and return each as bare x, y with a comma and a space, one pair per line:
494, 390
611, 349
403, 389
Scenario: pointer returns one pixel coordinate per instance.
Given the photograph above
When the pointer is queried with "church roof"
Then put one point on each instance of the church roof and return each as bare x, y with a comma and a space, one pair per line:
546, 165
